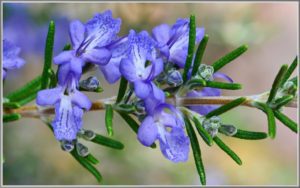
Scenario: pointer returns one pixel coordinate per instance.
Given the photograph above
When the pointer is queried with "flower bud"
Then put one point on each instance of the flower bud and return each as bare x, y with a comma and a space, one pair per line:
212, 125
174, 78
289, 88
82, 150
67, 146
206, 72
228, 130
90, 84
89, 135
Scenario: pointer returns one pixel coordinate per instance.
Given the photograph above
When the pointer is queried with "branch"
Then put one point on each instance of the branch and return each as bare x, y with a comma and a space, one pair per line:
35, 111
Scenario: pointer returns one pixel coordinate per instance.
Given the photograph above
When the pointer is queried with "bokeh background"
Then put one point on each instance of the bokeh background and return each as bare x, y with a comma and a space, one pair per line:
33, 156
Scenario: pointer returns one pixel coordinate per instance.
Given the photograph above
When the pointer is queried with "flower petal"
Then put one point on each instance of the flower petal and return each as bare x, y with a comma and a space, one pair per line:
76, 32
178, 57
142, 89
111, 71
63, 57
81, 100
156, 68
147, 132
158, 93
176, 146
128, 70
199, 34
100, 56
102, 29
222, 76
161, 33
65, 123
49, 96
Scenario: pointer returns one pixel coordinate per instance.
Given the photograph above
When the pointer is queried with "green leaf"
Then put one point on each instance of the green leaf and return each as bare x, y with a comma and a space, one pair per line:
48, 55
286, 121
277, 82
283, 101
226, 107
249, 135
126, 108
109, 114
222, 85
192, 38
271, 119
53, 78
105, 141
196, 83
132, 124
26, 92
294, 80
227, 150
11, 105
199, 54
11, 117
92, 159
196, 150
28, 99
289, 71
67, 47
122, 89
86, 164
202, 132
229, 57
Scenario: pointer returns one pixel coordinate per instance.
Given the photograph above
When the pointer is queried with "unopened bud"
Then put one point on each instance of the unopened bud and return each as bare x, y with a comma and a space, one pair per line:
206, 72
82, 150
174, 78
67, 146
90, 84
228, 130
289, 88
212, 125
89, 135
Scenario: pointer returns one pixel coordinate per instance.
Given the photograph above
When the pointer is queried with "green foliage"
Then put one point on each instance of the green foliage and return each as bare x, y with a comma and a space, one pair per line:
226, 107
289, 71
122, 89
286, 121
221, 85
249, 135
199, 54
202, 132
196, 150
277, 82
229, 57
11, 117
48, 55
105, 141
26, 93
271, 119
192, 39
87, 164
109, 114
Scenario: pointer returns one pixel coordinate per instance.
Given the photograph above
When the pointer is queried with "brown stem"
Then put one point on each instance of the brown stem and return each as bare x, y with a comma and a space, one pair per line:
36, 112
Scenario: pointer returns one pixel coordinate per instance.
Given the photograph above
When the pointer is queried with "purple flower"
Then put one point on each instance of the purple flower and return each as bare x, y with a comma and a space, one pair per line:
69, 104
11, 59
206, 91
90, 41
173, 41
166, 125
135, 69
119, 49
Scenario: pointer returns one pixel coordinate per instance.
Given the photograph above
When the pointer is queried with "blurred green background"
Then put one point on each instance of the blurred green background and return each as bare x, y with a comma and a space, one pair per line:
33, 156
